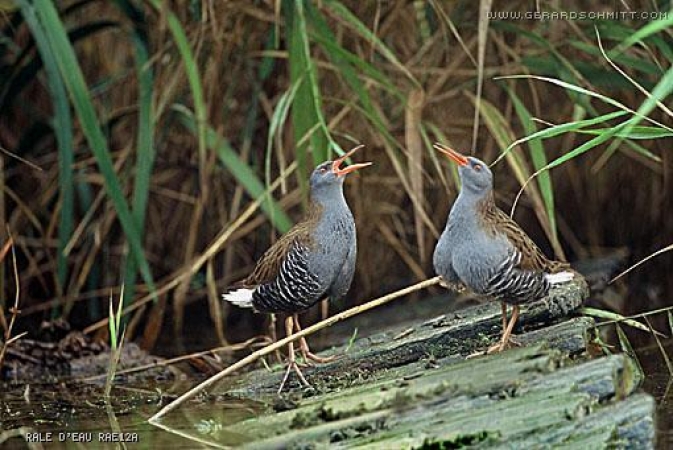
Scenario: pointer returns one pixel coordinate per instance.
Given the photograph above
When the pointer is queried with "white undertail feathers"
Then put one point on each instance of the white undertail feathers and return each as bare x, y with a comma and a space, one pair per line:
560, 277
241, 297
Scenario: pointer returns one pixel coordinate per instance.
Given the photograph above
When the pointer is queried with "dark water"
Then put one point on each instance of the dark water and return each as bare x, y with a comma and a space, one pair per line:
659, 383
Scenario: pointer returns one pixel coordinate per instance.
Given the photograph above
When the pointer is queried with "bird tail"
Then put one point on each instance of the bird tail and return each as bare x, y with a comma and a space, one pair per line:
241, 297
560, 277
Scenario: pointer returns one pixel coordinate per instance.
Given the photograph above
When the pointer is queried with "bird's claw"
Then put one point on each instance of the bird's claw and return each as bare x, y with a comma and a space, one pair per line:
292, 365
308, 357
503, 345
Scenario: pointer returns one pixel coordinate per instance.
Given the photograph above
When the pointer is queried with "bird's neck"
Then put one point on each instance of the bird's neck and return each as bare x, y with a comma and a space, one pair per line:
329, 199
328, 205
470, 205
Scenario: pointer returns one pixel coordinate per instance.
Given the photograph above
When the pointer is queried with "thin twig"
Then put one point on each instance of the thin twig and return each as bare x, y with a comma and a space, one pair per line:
642, 261
17, 157
3, 253
168, 362
13, 310
635, 316
291, 338
667, 360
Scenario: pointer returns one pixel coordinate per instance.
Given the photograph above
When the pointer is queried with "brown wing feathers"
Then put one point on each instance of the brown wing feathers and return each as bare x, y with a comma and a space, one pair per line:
269, 264
532, 258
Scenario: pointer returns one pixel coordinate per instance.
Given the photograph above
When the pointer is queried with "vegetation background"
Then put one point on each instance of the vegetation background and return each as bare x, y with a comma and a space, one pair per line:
164, 145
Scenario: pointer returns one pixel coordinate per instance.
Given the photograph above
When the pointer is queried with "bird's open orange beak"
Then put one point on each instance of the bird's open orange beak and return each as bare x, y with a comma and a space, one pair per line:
353, 167
451, 153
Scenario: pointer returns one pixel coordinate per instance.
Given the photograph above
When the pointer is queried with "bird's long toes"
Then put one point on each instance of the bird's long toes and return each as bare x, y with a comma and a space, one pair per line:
293, 366
514, 342
475, 354
497, 348
302, 379
511, 341
285, 377
305, 363
321, 359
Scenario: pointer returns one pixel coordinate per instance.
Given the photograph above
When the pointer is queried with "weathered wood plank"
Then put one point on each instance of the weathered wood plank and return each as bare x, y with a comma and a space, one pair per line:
417, 387
502, 397
457, 334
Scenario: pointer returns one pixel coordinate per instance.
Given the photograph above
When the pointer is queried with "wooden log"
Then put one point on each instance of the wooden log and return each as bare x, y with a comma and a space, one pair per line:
496, 400
457, 336
413, 387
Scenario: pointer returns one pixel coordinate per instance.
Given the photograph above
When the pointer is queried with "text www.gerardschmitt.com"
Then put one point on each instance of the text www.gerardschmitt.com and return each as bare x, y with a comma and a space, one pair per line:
577, 15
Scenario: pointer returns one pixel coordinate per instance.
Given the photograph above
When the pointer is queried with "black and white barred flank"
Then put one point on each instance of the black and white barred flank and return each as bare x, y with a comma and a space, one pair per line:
514, 285
294, 289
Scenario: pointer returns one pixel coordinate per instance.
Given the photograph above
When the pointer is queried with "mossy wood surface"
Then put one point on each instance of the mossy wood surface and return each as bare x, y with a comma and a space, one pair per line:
428, 386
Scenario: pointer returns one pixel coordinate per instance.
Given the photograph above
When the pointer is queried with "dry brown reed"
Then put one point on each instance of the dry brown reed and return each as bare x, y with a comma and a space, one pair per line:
441, 56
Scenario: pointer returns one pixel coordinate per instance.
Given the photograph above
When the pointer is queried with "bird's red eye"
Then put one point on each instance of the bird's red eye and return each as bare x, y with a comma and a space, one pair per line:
323, 169
477, 167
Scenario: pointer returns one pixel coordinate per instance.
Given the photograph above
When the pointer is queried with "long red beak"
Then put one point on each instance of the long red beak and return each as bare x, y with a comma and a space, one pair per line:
451, 153
353, 167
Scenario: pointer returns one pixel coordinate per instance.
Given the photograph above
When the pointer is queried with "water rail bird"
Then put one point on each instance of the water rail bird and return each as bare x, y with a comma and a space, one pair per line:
483, 249
314, 260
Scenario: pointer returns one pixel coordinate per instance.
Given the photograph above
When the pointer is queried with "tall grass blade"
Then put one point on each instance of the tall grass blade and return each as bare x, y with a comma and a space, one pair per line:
661, 91
539, 159
614, 317
62, 126
240, 171
192, 71
581, 90
482, 32
662, 350
608, 134
367, 108
372, 114
414, 144
649, 29
343, 61
446, 19
74, 80
627, 347
557, 130
441, 137
310, 130
340, 55
638, 64
276, 125
347, 17
145, 139
116, 341
637, 132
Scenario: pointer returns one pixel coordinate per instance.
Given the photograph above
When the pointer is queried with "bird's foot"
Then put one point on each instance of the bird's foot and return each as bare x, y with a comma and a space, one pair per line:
292, 365
310, 357
503, 345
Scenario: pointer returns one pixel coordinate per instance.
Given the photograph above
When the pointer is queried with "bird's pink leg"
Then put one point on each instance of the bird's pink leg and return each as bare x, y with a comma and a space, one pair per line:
292, 363
305, 351
505, 341
274, 336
